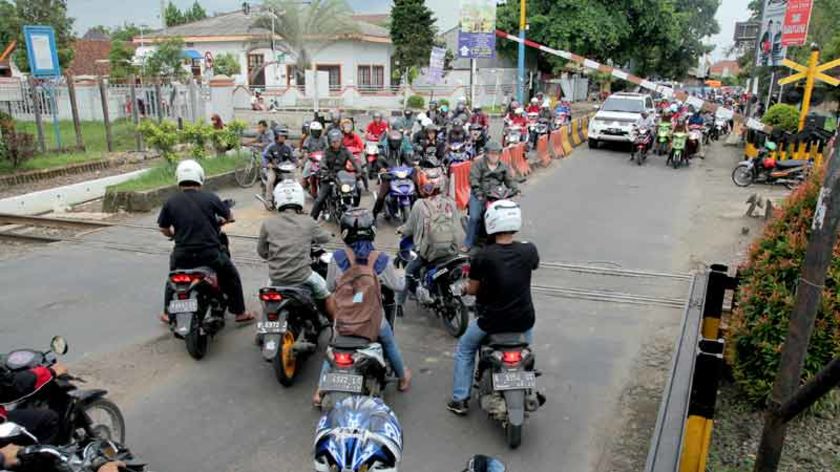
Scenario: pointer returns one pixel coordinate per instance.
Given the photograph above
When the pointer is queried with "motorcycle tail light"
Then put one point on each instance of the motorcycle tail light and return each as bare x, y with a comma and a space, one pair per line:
272, 316
271, 296
465, 269
512, 357
184, 278
343, 359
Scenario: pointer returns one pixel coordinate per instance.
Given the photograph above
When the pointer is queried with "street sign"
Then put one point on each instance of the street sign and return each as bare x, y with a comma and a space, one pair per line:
811, 73
477, 33
436, 64
770, 50
41, 51
797, 17
746, 31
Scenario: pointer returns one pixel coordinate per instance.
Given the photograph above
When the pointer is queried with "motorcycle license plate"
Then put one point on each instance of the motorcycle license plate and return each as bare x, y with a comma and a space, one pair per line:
271, 327
349, 383
183, 306
520, 380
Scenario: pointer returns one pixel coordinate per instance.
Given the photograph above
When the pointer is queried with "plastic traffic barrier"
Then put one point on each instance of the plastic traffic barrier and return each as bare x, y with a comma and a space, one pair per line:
566, 140
460, 174
520, 164
542, 151
582, 134
575, 133
556, 145
507, 157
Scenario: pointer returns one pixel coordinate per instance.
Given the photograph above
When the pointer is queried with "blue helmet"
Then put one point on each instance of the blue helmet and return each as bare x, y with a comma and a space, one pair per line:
359, 431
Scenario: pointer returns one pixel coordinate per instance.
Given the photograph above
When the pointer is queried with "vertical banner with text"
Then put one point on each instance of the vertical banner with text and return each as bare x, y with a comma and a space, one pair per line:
436, 63
771, 52
797, 17
477, 32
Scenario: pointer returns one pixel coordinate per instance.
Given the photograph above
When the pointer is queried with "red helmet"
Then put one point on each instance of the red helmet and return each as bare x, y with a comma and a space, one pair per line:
769, 163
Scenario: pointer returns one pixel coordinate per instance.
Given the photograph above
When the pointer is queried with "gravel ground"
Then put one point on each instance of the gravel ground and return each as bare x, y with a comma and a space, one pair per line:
812, 442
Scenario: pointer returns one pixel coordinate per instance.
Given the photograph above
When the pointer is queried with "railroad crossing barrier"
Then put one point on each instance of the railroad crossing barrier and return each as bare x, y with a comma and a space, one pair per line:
683, 429
808, 144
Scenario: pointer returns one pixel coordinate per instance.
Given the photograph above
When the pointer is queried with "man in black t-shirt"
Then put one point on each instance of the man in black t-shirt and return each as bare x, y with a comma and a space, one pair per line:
193, 219
500, 278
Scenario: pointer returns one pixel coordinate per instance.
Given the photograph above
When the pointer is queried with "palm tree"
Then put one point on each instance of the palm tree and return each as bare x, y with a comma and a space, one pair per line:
308, 28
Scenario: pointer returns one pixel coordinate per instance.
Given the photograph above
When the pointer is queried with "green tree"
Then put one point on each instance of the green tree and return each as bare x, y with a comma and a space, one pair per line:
8, 23
412, 33
226, 64
120, 58
327, 21
43, 12
167, 59
126, 32
195, 13
172, 15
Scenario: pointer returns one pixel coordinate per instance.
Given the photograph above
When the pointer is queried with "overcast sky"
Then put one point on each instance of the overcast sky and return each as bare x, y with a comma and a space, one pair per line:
115, 12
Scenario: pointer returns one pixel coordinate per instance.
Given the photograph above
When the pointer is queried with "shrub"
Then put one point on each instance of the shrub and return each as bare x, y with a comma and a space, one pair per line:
766, 296
198, 136
229, 137
161, 136
443, 102
415, 101
15, 146
782, 116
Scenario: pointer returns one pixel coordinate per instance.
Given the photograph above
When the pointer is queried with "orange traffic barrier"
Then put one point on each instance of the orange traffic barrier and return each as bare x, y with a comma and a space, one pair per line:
584, 129
565, 140
542, 151
575, 134
461, 182
507, 157
556, 145
517, 154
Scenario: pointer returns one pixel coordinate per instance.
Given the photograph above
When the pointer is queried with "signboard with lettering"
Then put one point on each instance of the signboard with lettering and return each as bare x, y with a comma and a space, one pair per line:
771, 52
436, 63
797, 17
477, 33
41, 51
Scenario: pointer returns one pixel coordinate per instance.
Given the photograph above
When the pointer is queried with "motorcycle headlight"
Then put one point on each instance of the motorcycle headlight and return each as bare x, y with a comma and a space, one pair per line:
401, 174
345, 188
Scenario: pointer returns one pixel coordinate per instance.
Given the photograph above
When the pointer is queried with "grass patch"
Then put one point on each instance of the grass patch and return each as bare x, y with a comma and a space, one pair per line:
49, 161
164, 174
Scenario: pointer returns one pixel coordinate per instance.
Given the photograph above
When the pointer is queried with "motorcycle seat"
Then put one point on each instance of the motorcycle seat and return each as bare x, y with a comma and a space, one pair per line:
349, 342
506, 340
449, 260
787, 164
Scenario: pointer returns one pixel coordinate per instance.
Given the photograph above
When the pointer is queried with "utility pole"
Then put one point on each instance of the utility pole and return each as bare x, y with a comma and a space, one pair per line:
808, 293
520, 76
754, 75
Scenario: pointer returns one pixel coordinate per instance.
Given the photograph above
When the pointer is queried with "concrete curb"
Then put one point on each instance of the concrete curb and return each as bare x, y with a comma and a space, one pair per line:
146, 200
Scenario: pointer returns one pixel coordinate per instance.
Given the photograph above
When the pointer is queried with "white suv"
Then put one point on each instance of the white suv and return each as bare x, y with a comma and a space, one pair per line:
615, 118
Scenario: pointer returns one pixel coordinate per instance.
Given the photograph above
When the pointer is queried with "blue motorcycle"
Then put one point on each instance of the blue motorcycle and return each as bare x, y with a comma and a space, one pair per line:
402, 193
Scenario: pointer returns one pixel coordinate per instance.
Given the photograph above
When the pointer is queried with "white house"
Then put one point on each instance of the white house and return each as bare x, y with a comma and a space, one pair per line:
362, 61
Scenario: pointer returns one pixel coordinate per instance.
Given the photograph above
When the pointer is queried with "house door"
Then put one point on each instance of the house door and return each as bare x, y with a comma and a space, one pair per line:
255, 63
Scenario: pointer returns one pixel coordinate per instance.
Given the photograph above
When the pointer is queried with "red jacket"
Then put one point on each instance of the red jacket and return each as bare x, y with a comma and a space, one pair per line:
353, 142
518, 120
532, 109
17, 386
377, 129
481, 119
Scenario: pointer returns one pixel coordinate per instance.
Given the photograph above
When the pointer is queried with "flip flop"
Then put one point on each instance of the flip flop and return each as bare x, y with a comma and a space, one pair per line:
164, 318
245, 318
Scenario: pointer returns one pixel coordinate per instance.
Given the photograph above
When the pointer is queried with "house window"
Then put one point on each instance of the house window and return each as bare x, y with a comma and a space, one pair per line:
371, 77
195, 67
292, 77
335, 76
256, 71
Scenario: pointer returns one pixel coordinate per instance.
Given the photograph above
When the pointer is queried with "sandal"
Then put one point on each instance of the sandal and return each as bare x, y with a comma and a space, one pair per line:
246, 317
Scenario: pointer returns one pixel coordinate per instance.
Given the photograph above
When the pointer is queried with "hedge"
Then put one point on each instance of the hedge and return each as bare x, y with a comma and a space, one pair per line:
766, 296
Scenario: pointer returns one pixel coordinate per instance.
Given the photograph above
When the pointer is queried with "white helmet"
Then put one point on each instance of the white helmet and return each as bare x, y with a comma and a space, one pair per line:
427, 122
422, 117
288, 194
519, 111
503, 216
316, 126
189, 171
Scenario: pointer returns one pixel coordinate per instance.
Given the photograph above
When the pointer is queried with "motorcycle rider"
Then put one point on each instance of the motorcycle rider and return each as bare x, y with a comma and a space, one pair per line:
286, 239
500, 278
265, 135
486, 174
377, 128
358, 230
407, 121
442, 117
336, 158
545, 112
313, 143
192, 217
392, 156
414, 231
478, 136
480, 118
457, 134
461, 109
434, 112
534, 106
276, 154
15, 386
351, 140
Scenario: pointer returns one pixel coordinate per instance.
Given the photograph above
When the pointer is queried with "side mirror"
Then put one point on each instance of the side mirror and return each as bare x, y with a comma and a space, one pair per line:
13, 432
58, 345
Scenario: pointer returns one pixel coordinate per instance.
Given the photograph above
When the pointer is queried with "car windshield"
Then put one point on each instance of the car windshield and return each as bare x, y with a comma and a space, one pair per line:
624, 105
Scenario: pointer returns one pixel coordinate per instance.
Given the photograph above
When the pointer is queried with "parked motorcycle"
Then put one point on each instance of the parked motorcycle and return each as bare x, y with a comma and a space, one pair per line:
641, 144
663, 137
402, 193
677, 156
81, 412
197, 304
291, 323
359, 434
765, 169
507, 383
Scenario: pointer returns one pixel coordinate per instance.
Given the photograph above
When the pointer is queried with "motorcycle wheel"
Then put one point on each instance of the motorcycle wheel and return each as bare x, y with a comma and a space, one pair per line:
675, 161
113, 428
404, 211
456, 318
742, 176
196, 342
247, 172
513, 435
285, 363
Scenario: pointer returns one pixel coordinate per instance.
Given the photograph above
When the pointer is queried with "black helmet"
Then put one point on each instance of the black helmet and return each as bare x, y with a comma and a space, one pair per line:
334, 135
305, 128
282, 132
395, 139
357, 224
407, 113
476, 127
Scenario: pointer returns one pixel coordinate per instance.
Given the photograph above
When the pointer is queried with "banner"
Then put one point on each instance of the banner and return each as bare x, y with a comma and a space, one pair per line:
436, 62
797, 17
770, 50
477, 32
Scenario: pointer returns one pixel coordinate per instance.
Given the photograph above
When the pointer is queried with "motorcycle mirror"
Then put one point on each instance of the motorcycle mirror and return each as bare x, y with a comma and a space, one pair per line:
229, 202
14, 432
59, 345
481, 463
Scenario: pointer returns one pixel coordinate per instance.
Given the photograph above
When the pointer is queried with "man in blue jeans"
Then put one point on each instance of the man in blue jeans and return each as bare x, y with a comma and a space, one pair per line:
500, 278
485, 175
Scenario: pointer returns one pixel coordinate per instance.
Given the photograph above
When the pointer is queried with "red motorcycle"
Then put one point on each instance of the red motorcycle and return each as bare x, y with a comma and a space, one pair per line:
643, 138
313, 181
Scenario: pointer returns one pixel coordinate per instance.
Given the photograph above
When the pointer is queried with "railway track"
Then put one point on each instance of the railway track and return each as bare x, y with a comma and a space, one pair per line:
44, 230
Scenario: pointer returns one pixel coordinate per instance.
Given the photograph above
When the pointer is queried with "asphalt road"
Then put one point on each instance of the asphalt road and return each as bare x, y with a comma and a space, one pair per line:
227, 413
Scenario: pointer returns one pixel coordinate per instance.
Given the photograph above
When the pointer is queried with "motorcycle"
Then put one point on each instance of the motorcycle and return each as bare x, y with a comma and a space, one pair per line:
79, 411
677, 156
707, 133
345, 194
764, 169
283, 171
513, 135
371, 155
663, 137
720, 129
314, 179
197, 304
641, 144
540, 128
482, 463
441, 288
506, 382
695, 137
402, 193
291, 323
359, 434
458, 152
356, 367
533, 122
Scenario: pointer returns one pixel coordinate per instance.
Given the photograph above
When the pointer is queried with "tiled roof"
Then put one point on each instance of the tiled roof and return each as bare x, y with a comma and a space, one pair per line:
90, 57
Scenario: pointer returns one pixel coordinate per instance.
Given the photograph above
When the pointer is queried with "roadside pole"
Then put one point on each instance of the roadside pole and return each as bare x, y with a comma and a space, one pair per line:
472, 82
135, 113
754, 75
74, 109
808, 294
36, 110
158, 100
520, 71
103, 95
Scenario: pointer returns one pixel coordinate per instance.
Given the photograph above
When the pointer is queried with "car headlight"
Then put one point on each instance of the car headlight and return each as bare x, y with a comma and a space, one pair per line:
345, 188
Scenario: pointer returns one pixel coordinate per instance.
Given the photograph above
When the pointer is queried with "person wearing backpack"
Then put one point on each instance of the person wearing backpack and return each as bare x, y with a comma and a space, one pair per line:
355, 277
433, 227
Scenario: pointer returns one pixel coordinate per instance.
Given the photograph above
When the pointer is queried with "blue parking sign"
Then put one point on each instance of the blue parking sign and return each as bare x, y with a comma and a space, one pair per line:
41, 51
